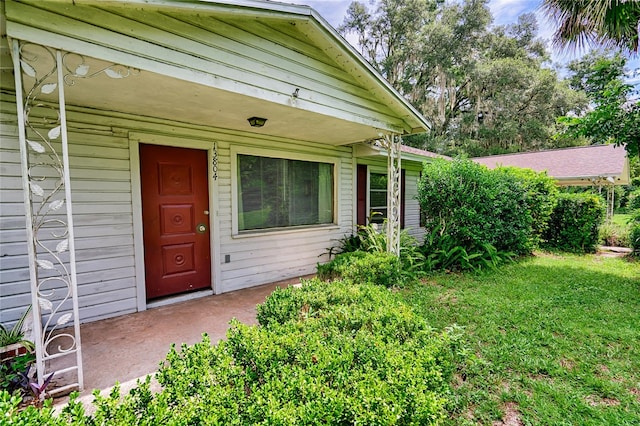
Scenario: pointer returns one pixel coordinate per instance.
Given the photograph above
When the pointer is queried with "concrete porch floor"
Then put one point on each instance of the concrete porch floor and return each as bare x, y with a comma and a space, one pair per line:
131, 346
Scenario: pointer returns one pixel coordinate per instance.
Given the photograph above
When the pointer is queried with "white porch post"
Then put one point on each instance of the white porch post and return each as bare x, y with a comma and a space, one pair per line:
610, 202
47, 189
392, 143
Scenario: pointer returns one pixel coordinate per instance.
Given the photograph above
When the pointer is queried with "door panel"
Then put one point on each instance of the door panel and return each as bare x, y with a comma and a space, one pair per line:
175, 199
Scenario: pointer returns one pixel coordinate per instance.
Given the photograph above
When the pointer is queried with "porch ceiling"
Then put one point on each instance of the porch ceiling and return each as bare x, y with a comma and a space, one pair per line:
148, 94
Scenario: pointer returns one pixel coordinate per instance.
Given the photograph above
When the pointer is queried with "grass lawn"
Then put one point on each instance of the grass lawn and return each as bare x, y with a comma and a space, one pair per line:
621, 220
555, 340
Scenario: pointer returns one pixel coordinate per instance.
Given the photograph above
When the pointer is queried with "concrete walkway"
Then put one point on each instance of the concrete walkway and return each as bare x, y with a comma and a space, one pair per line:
129, 347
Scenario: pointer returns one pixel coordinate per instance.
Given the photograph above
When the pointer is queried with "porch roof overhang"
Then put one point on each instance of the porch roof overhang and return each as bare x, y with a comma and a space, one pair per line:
578, 166
169, 86
415, 155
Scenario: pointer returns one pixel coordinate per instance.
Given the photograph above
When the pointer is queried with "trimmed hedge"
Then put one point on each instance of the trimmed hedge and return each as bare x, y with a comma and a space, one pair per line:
476, 206
364, 268
541, 198
574, 223
634, 200
327, 353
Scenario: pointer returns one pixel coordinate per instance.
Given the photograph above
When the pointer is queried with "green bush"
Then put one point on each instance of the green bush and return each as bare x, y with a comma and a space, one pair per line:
541, 198
574, 223
326, 353
476, 206
634, 232
614, 235
360, 267
634, 200
441, 252
634, 238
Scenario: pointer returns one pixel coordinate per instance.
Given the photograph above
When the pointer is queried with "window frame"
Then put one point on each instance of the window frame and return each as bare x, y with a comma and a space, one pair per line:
378, 171
285, 155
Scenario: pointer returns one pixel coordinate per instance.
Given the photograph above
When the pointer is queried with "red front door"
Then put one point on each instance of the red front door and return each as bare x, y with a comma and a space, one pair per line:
175, 204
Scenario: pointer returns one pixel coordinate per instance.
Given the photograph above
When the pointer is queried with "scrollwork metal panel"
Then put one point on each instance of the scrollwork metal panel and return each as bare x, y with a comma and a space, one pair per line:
41, 73
393, 143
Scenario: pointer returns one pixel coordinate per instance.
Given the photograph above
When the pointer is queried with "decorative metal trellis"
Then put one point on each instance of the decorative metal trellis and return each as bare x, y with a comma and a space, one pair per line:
393, 143
42, 72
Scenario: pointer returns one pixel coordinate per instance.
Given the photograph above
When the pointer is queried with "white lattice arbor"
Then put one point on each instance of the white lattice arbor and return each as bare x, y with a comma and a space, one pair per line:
41, 73
392, 143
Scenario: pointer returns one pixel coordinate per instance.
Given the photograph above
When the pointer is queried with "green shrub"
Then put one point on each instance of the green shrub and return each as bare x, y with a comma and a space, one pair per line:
541, 198
326, 353
634, 238
360, 267
574, 223
370, 262
634, 232
373, 239
476, 206
441, 252
614, 235
346, 244
634, 200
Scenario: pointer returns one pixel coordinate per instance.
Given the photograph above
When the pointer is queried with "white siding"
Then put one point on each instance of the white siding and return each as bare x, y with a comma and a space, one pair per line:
263, 57
103, 214
411, 205
101, 185
262, 257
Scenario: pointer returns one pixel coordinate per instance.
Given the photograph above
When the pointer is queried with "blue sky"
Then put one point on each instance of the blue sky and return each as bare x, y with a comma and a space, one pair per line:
503, 11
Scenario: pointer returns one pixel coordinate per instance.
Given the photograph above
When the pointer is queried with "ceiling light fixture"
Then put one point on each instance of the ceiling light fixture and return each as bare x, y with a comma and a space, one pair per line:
256, 121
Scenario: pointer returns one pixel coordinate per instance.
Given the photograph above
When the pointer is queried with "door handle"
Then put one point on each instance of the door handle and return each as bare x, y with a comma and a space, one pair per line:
201, 228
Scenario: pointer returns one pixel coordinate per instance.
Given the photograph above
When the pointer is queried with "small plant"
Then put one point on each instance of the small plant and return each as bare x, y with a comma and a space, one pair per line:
442, 252
346, 244
39, 390
9, 336
14, 373
613, 235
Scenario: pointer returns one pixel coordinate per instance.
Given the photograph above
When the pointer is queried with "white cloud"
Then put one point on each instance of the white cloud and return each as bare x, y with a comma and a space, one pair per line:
507, 11
333, 11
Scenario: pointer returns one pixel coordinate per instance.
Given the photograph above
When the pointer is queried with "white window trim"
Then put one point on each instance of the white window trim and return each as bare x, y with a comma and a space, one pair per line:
261, 152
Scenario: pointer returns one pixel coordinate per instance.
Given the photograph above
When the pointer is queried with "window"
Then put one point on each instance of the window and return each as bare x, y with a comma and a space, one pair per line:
277, 192
377, 197
372, 195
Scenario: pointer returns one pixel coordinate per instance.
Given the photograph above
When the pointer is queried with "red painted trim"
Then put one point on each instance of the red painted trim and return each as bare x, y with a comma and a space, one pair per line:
361, 194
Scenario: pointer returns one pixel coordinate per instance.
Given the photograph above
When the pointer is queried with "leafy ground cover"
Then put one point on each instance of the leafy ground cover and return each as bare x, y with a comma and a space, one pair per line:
556, 340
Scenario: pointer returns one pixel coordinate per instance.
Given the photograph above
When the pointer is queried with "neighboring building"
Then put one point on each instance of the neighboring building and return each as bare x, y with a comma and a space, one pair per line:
578, 166
602, 166
176, 183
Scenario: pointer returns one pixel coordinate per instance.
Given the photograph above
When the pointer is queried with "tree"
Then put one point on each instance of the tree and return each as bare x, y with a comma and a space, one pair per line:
425, 48
614, 117
605, 22
483, 88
